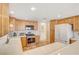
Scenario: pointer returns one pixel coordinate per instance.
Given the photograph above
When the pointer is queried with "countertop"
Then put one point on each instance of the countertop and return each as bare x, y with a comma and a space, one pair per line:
14, 48
72, 49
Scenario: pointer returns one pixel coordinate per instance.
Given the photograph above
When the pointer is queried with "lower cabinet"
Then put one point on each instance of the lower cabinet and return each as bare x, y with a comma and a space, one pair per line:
24, 42
29, 42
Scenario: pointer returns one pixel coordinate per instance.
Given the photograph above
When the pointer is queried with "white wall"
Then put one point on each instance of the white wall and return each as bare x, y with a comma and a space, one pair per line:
43, 30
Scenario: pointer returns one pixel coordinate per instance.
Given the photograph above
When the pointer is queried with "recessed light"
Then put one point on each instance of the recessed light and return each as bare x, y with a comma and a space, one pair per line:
33, 8
42, 23
11, 12
59, 16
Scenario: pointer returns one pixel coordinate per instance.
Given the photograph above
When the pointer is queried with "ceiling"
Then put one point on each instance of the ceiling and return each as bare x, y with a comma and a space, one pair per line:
43, 11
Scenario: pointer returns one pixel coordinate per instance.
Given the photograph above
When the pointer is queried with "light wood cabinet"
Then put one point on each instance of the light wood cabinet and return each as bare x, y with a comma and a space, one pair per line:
20, 24
5, 9
61, 21
4, 19
76, 23
52, 30
65, 21
24, 42
0, 26
0, 9
52, 23
0, 20
52, 36
5, 25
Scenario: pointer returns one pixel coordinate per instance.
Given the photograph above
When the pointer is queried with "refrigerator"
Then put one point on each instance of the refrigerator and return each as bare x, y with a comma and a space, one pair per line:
63, 32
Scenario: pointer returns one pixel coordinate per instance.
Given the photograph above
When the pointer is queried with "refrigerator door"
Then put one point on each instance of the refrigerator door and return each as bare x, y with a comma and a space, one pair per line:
63, 33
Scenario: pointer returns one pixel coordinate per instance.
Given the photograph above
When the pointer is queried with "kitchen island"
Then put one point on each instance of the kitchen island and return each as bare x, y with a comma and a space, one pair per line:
14, 47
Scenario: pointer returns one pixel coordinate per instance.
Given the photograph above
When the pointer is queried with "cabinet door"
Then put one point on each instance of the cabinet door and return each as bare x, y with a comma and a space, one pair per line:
76, 23
0, 20
0, 9
65, 21
24, 42
0, 26
5, 9
52, 36
61, 21
52, 31
52, 25
4, 19
5, 25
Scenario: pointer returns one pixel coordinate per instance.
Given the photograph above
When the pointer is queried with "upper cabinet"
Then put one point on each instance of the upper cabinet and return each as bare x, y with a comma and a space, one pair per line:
5, 9
52, 23
4, 19
21, 24
76, 23
0, 9
0, 26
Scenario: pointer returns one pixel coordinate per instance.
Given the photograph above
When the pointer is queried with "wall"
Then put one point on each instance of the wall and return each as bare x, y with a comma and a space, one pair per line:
43, 29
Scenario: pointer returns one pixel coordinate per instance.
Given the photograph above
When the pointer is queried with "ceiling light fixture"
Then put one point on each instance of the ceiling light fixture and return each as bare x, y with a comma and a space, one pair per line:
11, 12
33, 8
59, 16
11, 25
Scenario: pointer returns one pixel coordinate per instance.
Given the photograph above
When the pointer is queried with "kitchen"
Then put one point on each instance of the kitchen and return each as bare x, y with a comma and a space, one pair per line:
35, 28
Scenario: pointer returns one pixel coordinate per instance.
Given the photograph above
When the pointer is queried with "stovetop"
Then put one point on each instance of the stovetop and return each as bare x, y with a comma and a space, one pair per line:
30, 34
